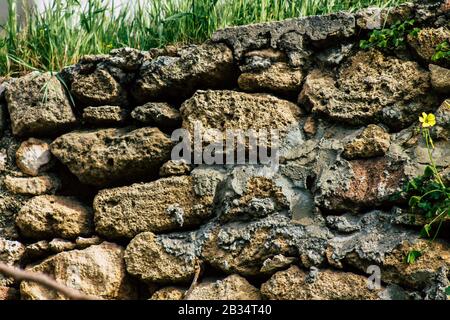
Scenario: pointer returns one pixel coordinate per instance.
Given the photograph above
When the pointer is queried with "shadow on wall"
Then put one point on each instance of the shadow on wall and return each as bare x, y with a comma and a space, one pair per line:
21, 6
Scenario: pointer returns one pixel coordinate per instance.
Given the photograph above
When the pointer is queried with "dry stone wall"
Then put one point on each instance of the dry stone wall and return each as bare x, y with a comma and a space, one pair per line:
89, 193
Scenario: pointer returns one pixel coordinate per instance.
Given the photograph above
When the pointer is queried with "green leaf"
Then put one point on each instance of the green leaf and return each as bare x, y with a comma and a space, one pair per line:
447, 291
428, 172
412, 256
413, 201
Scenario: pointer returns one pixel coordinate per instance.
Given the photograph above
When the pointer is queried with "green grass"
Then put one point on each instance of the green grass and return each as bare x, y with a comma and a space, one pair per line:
66, 30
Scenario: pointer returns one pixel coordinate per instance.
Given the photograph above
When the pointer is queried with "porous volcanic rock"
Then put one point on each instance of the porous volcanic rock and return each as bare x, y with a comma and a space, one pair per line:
278, 78
295, 284
158, 113
178, 77
359, 184
43, 108
54, 216
426, 41
159, 206
11, 253
98, 88
369, 87
149, 258
440, 78
169, 293
373, 141
105, 156
97, 271
34, 186
233, 287
104, 115
222, 110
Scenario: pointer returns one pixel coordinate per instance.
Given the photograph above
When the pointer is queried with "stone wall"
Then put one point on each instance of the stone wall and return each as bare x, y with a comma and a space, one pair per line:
89, 193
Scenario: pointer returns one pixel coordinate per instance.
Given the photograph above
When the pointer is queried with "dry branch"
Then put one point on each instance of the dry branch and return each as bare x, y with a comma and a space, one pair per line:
44, 280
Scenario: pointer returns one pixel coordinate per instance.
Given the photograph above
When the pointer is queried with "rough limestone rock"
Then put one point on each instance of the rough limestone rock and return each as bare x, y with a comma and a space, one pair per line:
98, 271
174, 168
372, 142
177, 77
54, 216
233, 287
105, 115
169, 293
98, 89
148, 258
34, 186
359, 184
102, 157
33, 157
440, 78
43, 108
242, 248
370, 87
163, 205
295, 284
222, 110
278, 78
426, 41
11, 253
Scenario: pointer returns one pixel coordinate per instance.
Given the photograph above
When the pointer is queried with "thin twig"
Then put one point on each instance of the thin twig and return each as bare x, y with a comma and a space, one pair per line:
194, 281
43, 279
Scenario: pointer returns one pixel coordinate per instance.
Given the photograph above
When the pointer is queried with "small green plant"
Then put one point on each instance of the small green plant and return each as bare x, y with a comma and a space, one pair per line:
428, 194
390, 38
412, 256
442, 52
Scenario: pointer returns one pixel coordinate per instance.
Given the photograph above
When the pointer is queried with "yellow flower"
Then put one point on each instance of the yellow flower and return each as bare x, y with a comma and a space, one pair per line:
427, 120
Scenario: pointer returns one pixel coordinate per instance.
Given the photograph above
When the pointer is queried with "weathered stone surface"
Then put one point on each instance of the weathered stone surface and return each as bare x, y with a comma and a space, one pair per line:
443, 119
160, 114
11, 253
440, 78
222, 110
359, 184
104, 115
370, 87
159, 206
102, 157
8, 293
374, 239
33, 186
278, 78
177, 77
149, 258
174, 168
233, 287
98, 88
372, 142
98, 271
169, 293
426, 41
248, 195
278, 262
295, 284
33, 157
288, 35
54, 216
243, 248
43, 108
